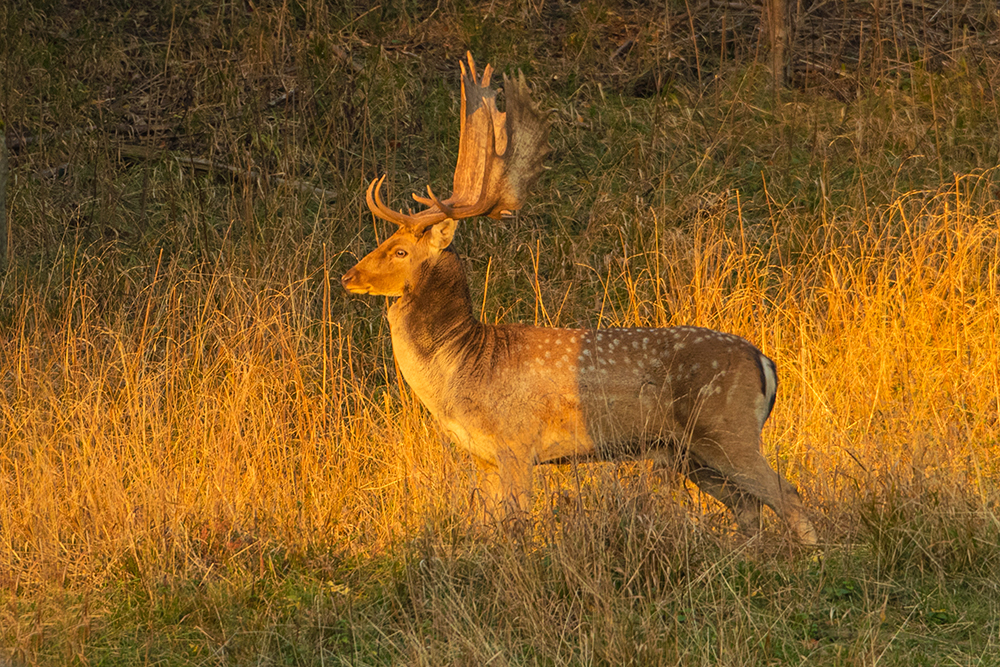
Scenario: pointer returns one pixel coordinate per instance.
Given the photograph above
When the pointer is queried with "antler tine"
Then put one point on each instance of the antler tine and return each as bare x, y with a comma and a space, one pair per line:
432, 200
487, 72
375, 204
373, 198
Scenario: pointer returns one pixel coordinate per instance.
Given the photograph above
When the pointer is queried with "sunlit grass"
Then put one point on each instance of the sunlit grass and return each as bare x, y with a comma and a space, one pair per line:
208, 456
191, 441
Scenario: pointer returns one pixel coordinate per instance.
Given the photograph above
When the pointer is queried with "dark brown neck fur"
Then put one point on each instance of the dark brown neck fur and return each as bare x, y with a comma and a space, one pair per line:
436, 310
435, 315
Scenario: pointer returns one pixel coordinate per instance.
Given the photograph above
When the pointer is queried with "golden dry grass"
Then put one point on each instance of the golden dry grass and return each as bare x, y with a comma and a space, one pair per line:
222, 415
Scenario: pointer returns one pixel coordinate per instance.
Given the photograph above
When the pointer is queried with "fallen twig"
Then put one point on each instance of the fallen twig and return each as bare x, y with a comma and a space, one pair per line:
137, 129
137, 152
205, 165
624, 48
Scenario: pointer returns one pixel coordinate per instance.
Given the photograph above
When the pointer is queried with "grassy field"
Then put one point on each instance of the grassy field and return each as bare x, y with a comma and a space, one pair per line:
208, 457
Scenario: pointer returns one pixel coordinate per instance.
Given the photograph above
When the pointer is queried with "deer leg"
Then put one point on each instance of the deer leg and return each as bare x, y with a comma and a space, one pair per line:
752, 475
744, 506
487, 492
515, 482
504, 486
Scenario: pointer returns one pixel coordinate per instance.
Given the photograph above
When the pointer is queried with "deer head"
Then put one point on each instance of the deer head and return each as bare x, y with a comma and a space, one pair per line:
499, 158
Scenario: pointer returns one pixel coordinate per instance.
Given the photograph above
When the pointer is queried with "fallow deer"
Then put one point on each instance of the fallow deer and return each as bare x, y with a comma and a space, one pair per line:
514, 396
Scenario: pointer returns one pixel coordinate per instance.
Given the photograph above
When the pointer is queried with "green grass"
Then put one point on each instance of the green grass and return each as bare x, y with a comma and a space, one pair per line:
647, 598
208, 457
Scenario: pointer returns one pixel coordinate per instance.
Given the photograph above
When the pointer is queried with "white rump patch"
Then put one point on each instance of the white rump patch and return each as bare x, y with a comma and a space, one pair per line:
765, 401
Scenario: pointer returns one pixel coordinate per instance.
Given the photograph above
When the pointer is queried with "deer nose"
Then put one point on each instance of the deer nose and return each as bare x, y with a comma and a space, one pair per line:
349, 278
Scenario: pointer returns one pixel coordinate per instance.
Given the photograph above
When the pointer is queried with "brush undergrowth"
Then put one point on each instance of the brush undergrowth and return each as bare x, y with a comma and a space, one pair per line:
208, 457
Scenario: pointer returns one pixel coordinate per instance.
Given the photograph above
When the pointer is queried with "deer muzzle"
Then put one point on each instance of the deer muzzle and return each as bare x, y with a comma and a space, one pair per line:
353, 283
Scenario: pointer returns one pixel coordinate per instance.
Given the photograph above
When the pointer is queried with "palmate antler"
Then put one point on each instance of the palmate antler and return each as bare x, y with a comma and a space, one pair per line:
499, 156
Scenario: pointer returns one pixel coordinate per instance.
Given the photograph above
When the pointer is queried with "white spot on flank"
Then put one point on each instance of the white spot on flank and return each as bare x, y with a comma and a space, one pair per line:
695, 367
715, 363
678, 347
698, 339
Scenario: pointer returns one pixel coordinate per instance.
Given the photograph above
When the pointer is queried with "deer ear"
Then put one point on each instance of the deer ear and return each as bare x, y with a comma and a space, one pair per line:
442, 233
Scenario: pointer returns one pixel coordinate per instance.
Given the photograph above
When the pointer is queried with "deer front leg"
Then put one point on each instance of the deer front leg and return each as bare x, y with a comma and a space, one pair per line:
504, 486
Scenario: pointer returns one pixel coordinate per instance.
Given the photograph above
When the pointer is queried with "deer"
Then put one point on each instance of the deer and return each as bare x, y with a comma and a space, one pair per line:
514, 396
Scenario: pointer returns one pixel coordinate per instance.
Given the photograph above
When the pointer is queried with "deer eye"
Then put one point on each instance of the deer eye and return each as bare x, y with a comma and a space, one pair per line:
400, 253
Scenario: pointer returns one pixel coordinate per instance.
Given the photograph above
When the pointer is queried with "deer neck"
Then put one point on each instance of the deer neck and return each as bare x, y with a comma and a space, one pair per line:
432, 324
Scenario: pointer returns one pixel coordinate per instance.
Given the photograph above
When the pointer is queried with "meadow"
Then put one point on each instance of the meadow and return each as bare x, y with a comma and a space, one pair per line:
207, 455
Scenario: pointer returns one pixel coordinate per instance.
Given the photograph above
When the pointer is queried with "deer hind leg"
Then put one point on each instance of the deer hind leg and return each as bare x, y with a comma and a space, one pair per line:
750, 472
743, 505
